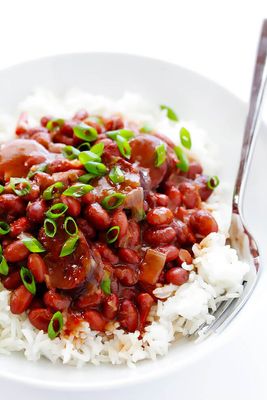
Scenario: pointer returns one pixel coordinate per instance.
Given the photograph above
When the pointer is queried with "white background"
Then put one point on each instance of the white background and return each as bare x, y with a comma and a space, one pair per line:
215, 38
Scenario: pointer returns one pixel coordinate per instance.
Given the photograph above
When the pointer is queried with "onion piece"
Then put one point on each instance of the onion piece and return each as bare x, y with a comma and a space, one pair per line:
135, 202
152, 266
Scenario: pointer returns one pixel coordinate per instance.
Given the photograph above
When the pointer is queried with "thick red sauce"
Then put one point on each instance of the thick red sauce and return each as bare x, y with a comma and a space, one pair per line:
159, 221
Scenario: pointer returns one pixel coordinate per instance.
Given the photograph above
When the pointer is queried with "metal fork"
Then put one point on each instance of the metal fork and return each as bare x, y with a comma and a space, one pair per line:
240, 237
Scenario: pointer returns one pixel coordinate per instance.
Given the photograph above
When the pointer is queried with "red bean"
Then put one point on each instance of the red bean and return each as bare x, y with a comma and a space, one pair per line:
175, 197
113, 123
184, 256
34, 193
95, 320
127, 276
129, 256
86, 228
88, 198
56, 300
157, 199
12, 281
203, 189
20, 300
190, 195
111, 306
43, 138
156, 237
20, 225
181, 230
194, 169
145, 302
43, 180
203, 223
97, 216
36, 211
159, 216
74, 205
106, 253
44, 121
172, 252
119, 219
177, 276
40, 318
37, 266
91, 299
16, 252
128, 316
11, 204
94, 124
81, 115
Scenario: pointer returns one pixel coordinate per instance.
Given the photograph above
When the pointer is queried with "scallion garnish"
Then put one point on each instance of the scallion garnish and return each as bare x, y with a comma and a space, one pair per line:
4, 268
124, 147
69, 246
70, 226
28, 280
35, 169
170, 113
106, 284
124, 133
213, 182
51, 192
70, 152
84, 146
146, 128
54, 123
56, 211
78, 190
185, 138
160, 155
31, 243
4, 228
96, 168
2, 188
98, 148
113, 201
50, 227
85, 132
86, 178
53, 331
183, 163
116, 175
23, 184
112, 234
86, 156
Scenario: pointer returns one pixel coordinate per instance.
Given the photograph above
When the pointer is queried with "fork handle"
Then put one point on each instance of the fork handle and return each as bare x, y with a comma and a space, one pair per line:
253, 118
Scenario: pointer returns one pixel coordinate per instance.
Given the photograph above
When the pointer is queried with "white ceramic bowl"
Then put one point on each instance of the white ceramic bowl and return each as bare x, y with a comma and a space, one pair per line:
195, 98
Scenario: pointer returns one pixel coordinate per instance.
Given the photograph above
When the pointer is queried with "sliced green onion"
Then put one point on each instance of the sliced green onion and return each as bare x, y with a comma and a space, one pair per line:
146, 128
113, 201
185, 138
86, 178
50, 192
28, 280
86, 156
96, 168
4, 268
112, 234
31, 243
124, 133
70, 226
4, 228
50, 227
213, 182
56, 211
56, 319
2, 188
170, 113
124, 147
54, 123
105, 284
35, 169
24, 183
116, 175
78, 190
183, 163
160, 155
84, 146
98, 148
85, 132
70, 152
69, 246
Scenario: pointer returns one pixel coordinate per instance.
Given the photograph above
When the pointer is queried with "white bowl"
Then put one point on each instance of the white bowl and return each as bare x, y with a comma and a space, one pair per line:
195, 98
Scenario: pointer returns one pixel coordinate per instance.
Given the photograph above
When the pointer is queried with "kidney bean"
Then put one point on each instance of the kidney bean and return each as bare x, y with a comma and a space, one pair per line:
113, 123
12, 281
44, 120
119, 219
20, 225
157, 199
34, 193
43, 180
20, 300
194, 169
110, 152
36, 211
56, 300
67, 128
43, 138
156, 237
175, 197
37, 266
106, 253
128, 316
144, 302
91, 299
74, 205
94, 124
11, 204
129, 256
40, 318
88, 198
16, 252
127, 275
190, 195
110, 306
88, 231
177, 276
172, 252
95, 320
204, 191
159, 216
203, 223
80, 115
97, 216
184, 256
181, 230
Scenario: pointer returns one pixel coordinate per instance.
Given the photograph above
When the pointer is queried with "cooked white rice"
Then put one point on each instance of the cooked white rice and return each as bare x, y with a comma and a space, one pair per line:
219, 272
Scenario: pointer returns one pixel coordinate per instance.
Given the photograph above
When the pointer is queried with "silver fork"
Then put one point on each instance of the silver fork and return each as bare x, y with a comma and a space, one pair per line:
240, 237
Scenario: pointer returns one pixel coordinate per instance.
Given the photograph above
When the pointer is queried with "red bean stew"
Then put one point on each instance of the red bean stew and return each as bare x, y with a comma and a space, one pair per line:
94, 215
